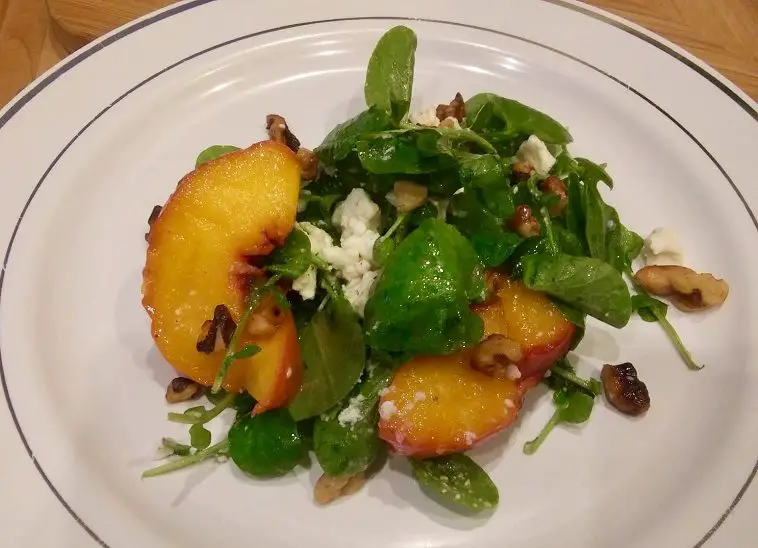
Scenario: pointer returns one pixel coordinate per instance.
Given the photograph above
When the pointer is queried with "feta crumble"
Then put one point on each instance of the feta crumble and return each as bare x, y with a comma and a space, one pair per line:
534, 152
352, 413
427, 117
509, 403
662, 248
512, 372
306, 284
357, 217
387, 409
469, 437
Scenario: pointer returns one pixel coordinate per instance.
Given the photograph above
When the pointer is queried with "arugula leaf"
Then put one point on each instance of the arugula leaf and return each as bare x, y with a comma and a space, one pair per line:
421, 303
200, 437
493, 243
175, 448
588, 284
341, 140
574, 407
646, 307
201, 415
653, 310
509, 118
213, 152
334, 355
295, 256
389, 77
457, 479
345, 438
190, 460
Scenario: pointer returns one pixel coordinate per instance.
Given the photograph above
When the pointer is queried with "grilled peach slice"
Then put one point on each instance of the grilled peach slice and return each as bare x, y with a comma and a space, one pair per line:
529, 318
440, 404
221, 215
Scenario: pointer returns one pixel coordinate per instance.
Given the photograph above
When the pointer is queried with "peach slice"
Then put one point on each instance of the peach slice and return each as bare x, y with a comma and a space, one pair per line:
440, 404
223, 213
531, 319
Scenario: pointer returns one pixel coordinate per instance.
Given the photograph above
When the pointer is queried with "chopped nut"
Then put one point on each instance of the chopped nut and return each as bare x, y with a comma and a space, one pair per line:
495, 354
521, 170
279, 131
556, 186
308, 164
409, 195
624, 390
150, 220
456, 109
330, 488
266, 319
183, 389
523, 222
216, 333
449, 123
688, 290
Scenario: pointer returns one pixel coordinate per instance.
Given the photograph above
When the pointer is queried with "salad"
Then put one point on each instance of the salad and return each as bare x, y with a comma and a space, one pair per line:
399, 288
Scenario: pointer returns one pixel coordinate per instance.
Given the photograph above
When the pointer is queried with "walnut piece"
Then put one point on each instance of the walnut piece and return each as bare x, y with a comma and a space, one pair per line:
521, 170
308, 164
330, 488
556, 186
216, 333
523, 222
624, 390
456, 109
497, 356
183, 389
266, 319
279, 131
688, 290
409, 195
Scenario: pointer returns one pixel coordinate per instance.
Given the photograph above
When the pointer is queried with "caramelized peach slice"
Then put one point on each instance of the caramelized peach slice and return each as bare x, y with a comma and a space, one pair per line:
440, 404
532, 320
226, 211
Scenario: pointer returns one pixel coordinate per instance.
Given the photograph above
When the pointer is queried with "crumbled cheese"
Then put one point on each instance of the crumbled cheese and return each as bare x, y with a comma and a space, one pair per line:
509, 403
384, 391
662, 248
512, 372
306, 284
387, 409
352, 413
288, 374
534, 152
468, 483
222, 458
358, 218
426, 117
469, 437
419, 396
611, 224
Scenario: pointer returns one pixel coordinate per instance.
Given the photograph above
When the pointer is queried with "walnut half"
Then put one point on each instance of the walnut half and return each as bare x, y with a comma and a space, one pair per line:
497, 357
279, 131
688, 290
624, 390
183, 389
330, 488
216, 333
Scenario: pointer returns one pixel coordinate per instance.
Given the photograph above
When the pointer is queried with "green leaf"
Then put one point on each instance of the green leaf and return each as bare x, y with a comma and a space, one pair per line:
592, 173
345, 438
213, 152
588, 284
574, 407
421, 303
201, 415
493, 243
200, 437
457, 479
341, 140
334, 354
294, 257
175, 448
509, 118
646, 307
246, 352
190, 460
389, 77
268, 444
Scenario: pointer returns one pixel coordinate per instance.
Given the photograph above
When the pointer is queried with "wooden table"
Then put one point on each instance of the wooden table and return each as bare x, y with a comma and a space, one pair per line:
724, 33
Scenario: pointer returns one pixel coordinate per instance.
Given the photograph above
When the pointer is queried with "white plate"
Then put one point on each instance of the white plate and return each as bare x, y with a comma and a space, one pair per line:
88, 149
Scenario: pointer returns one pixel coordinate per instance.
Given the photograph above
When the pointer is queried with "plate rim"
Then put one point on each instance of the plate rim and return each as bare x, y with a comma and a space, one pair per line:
32, 90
